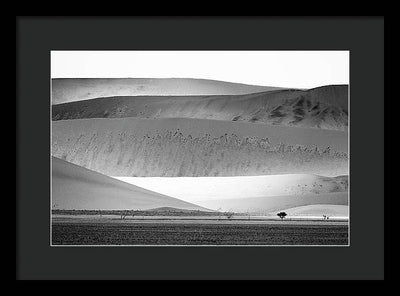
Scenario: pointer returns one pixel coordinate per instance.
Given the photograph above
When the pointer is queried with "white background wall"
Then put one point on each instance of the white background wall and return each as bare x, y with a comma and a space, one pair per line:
297, 69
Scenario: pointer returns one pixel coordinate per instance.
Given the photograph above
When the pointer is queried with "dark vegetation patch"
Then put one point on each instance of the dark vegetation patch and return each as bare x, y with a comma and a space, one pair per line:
300, 102
299, 112
56, 117
236, 118
296, 119
277, 113
315, 107
325, 111
65, 116
335, 114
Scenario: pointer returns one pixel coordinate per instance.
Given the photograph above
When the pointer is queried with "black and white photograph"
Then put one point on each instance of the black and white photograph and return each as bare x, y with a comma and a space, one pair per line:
200, 148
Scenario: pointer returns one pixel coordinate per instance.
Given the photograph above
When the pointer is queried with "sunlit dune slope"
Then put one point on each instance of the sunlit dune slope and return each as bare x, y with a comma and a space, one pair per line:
130, 147
319, 210
74, 187
75, 89
194, 189
271, 204
323, 107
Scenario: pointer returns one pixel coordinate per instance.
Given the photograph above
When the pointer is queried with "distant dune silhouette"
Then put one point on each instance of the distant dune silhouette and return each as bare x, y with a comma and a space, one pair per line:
66, 90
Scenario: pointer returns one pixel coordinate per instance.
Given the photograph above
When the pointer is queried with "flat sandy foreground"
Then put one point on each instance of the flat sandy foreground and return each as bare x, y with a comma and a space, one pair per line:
114, 219
197, 232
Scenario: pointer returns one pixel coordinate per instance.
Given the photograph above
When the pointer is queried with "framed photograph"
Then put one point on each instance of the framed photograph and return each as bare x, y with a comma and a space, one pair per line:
200, 157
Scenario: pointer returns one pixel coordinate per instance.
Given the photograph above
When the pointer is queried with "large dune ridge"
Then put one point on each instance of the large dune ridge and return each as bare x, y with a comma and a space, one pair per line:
194, 189
74, 187
271, 204
130, 147
323, 107
75, 89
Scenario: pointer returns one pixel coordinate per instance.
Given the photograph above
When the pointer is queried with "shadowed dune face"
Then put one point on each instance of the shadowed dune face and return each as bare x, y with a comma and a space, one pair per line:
324, 107
187, 147
66, 90
74, 187
271, 204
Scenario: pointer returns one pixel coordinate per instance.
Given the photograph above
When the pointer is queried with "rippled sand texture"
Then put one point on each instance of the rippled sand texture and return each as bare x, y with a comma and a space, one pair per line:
187, 147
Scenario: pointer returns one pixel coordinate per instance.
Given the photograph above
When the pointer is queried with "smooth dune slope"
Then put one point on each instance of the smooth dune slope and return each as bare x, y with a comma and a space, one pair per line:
194, 189
318, 210
324, 107
271, 204
130, 147
75, 89
74, 187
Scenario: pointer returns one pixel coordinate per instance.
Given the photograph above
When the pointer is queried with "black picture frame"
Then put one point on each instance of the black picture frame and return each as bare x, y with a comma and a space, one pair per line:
362, 260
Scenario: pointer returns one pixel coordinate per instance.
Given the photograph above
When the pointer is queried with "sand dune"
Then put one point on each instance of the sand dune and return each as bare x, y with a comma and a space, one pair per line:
76, 89
131, 147
319, 210
324, 107
250, 148
195, 189
74, 187
271, 204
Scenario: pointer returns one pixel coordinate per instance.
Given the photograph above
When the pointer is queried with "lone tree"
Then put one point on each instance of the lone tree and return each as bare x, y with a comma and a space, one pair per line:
281, 215
123, 215
127, 213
